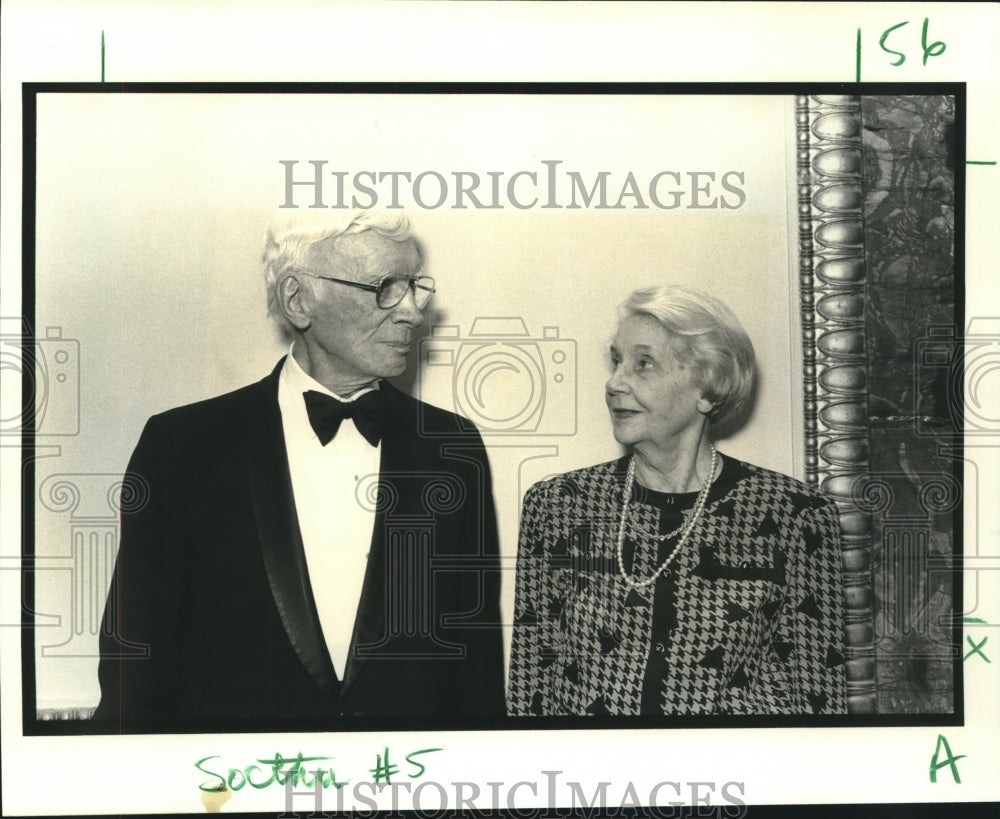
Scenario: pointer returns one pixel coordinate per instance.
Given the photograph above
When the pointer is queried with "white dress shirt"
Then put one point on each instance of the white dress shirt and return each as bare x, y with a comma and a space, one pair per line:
334, 489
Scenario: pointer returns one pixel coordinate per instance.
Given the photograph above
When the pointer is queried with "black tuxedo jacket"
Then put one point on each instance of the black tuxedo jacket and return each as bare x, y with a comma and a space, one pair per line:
211, 624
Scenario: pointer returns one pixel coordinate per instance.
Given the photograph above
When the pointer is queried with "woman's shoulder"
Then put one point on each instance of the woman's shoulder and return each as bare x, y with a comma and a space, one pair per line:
589, 483
759, 479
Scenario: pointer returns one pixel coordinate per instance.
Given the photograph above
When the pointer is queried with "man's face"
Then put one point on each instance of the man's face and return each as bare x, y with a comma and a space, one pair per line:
351, 340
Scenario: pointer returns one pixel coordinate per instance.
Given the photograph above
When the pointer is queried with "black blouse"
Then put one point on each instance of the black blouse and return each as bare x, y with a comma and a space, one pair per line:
673, 509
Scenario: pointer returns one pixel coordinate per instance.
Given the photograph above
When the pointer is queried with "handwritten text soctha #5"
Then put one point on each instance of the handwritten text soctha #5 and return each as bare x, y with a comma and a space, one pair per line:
302, 771
313, 185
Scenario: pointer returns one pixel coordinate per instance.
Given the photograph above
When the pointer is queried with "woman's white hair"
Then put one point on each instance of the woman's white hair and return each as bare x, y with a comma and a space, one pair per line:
706, 337
292, 231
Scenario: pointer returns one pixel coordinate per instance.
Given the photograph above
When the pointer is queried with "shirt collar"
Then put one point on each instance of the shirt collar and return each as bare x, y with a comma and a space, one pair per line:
299, 381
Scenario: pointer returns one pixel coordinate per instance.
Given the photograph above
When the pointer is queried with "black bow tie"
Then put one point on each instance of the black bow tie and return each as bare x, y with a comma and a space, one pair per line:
326, 413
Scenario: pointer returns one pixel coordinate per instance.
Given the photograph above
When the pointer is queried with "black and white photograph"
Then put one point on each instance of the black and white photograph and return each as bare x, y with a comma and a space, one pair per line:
370, 431
667, 505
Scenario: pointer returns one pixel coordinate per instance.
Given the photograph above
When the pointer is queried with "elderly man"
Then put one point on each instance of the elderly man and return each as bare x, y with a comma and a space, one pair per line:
317, 548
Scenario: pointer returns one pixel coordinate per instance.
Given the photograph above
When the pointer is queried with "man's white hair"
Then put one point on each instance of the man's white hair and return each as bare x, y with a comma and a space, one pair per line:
292, 231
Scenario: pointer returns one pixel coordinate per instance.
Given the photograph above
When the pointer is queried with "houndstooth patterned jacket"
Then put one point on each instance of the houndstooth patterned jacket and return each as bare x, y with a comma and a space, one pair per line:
756, 592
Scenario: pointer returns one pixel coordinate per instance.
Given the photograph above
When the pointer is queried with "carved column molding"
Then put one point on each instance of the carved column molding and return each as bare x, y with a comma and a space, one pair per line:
832, 287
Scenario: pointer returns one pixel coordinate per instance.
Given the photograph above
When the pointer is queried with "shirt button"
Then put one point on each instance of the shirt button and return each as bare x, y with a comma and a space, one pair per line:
745, 565
659, 648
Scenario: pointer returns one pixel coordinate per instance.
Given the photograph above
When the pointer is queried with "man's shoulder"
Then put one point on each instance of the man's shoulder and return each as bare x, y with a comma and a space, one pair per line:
430, 419
220, 408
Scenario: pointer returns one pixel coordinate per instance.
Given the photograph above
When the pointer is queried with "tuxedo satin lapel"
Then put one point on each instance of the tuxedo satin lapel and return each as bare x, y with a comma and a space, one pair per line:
370, 627
280, 538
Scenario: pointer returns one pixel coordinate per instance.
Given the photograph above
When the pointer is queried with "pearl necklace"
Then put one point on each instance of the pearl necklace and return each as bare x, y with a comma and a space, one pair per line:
699, 505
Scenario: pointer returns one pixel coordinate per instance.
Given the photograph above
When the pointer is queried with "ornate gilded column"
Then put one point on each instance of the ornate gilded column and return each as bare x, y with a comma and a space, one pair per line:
832, 284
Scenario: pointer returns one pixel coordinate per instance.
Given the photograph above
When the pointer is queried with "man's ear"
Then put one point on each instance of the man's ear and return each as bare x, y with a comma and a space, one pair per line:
294, 302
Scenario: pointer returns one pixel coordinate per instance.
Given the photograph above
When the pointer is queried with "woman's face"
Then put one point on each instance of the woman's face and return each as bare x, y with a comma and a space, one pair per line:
650, 393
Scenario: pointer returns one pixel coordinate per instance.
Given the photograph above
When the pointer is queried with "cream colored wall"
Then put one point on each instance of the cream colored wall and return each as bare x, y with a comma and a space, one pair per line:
150, 218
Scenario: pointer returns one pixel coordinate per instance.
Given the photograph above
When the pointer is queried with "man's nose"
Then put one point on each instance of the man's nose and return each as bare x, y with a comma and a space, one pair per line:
407, 312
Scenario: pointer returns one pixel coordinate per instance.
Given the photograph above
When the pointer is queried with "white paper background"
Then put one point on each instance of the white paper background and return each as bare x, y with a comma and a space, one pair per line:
321, 42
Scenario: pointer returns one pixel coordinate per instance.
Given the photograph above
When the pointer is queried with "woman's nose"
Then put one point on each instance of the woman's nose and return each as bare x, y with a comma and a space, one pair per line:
616, 383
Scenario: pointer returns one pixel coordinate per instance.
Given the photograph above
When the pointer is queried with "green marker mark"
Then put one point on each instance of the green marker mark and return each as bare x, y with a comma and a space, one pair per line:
935, 49
857, 66
948, 762
409, 758
979, 162
102, 55
383, 772
901, 57
977, 648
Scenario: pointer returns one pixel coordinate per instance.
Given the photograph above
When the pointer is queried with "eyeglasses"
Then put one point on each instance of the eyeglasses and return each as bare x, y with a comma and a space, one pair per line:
392, 289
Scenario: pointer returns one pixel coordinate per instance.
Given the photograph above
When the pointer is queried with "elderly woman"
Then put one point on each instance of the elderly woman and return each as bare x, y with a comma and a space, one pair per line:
676, 580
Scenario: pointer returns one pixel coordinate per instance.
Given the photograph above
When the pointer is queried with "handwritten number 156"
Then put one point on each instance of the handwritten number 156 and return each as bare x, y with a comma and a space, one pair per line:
935, 49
